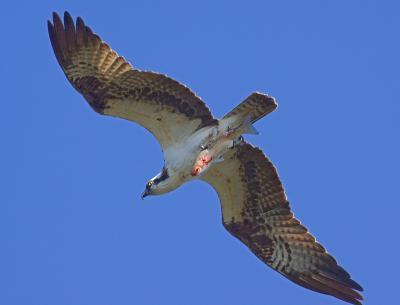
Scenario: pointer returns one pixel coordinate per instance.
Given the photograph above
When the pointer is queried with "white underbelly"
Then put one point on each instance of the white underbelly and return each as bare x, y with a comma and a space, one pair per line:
181, 157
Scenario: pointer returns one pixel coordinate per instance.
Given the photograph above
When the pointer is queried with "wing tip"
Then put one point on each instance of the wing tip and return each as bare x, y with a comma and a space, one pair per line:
67, 16
58, 38
328, 286
354, 285
68, 21
54, 41
57, 20
338, 274
63, 36
49, 26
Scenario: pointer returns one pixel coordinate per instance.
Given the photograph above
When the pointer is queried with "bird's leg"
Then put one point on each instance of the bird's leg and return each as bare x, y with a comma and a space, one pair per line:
237, 141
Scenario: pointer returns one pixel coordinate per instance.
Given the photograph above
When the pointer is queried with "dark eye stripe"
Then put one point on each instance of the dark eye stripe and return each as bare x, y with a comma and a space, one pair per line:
164, 175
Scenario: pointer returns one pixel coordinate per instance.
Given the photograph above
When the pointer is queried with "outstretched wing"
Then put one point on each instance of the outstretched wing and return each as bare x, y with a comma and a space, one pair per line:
168, 109
256, 211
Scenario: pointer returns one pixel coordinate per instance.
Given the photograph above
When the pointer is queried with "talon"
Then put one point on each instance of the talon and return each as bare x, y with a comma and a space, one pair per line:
239, 140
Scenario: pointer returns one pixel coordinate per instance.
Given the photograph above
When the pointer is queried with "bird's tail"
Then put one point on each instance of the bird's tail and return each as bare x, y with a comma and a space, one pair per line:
246, 127
255, 106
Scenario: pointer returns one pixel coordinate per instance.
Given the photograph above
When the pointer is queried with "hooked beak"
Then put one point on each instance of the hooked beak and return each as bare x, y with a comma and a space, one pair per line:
145, 194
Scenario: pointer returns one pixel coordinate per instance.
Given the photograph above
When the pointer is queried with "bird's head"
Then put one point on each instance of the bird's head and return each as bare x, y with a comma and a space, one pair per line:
158, 185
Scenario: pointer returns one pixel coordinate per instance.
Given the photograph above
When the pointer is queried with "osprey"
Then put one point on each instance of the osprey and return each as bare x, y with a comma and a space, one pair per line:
196, 145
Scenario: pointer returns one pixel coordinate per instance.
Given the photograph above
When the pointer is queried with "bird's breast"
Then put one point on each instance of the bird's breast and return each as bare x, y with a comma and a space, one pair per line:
181, 157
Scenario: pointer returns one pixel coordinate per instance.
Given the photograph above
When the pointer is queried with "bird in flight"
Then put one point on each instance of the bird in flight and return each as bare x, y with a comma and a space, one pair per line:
196, 145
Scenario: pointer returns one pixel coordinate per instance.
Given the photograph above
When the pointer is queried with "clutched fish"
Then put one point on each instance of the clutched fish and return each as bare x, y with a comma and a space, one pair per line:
219, 143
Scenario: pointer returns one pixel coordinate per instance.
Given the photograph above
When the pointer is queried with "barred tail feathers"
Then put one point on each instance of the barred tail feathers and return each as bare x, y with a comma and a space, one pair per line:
255, 106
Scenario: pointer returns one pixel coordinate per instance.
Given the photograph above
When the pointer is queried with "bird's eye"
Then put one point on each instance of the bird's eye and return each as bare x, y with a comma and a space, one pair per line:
150, 183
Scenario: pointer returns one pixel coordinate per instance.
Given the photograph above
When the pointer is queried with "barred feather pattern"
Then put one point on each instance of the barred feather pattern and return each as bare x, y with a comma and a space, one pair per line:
255, 210
110, 84
255, 106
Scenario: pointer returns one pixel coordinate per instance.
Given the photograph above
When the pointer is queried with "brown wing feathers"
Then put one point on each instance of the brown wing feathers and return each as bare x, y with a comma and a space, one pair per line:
256, 211
82, 53
112, 87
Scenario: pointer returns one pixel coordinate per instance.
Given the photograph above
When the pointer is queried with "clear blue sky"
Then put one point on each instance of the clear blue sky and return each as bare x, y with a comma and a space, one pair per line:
73, 229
